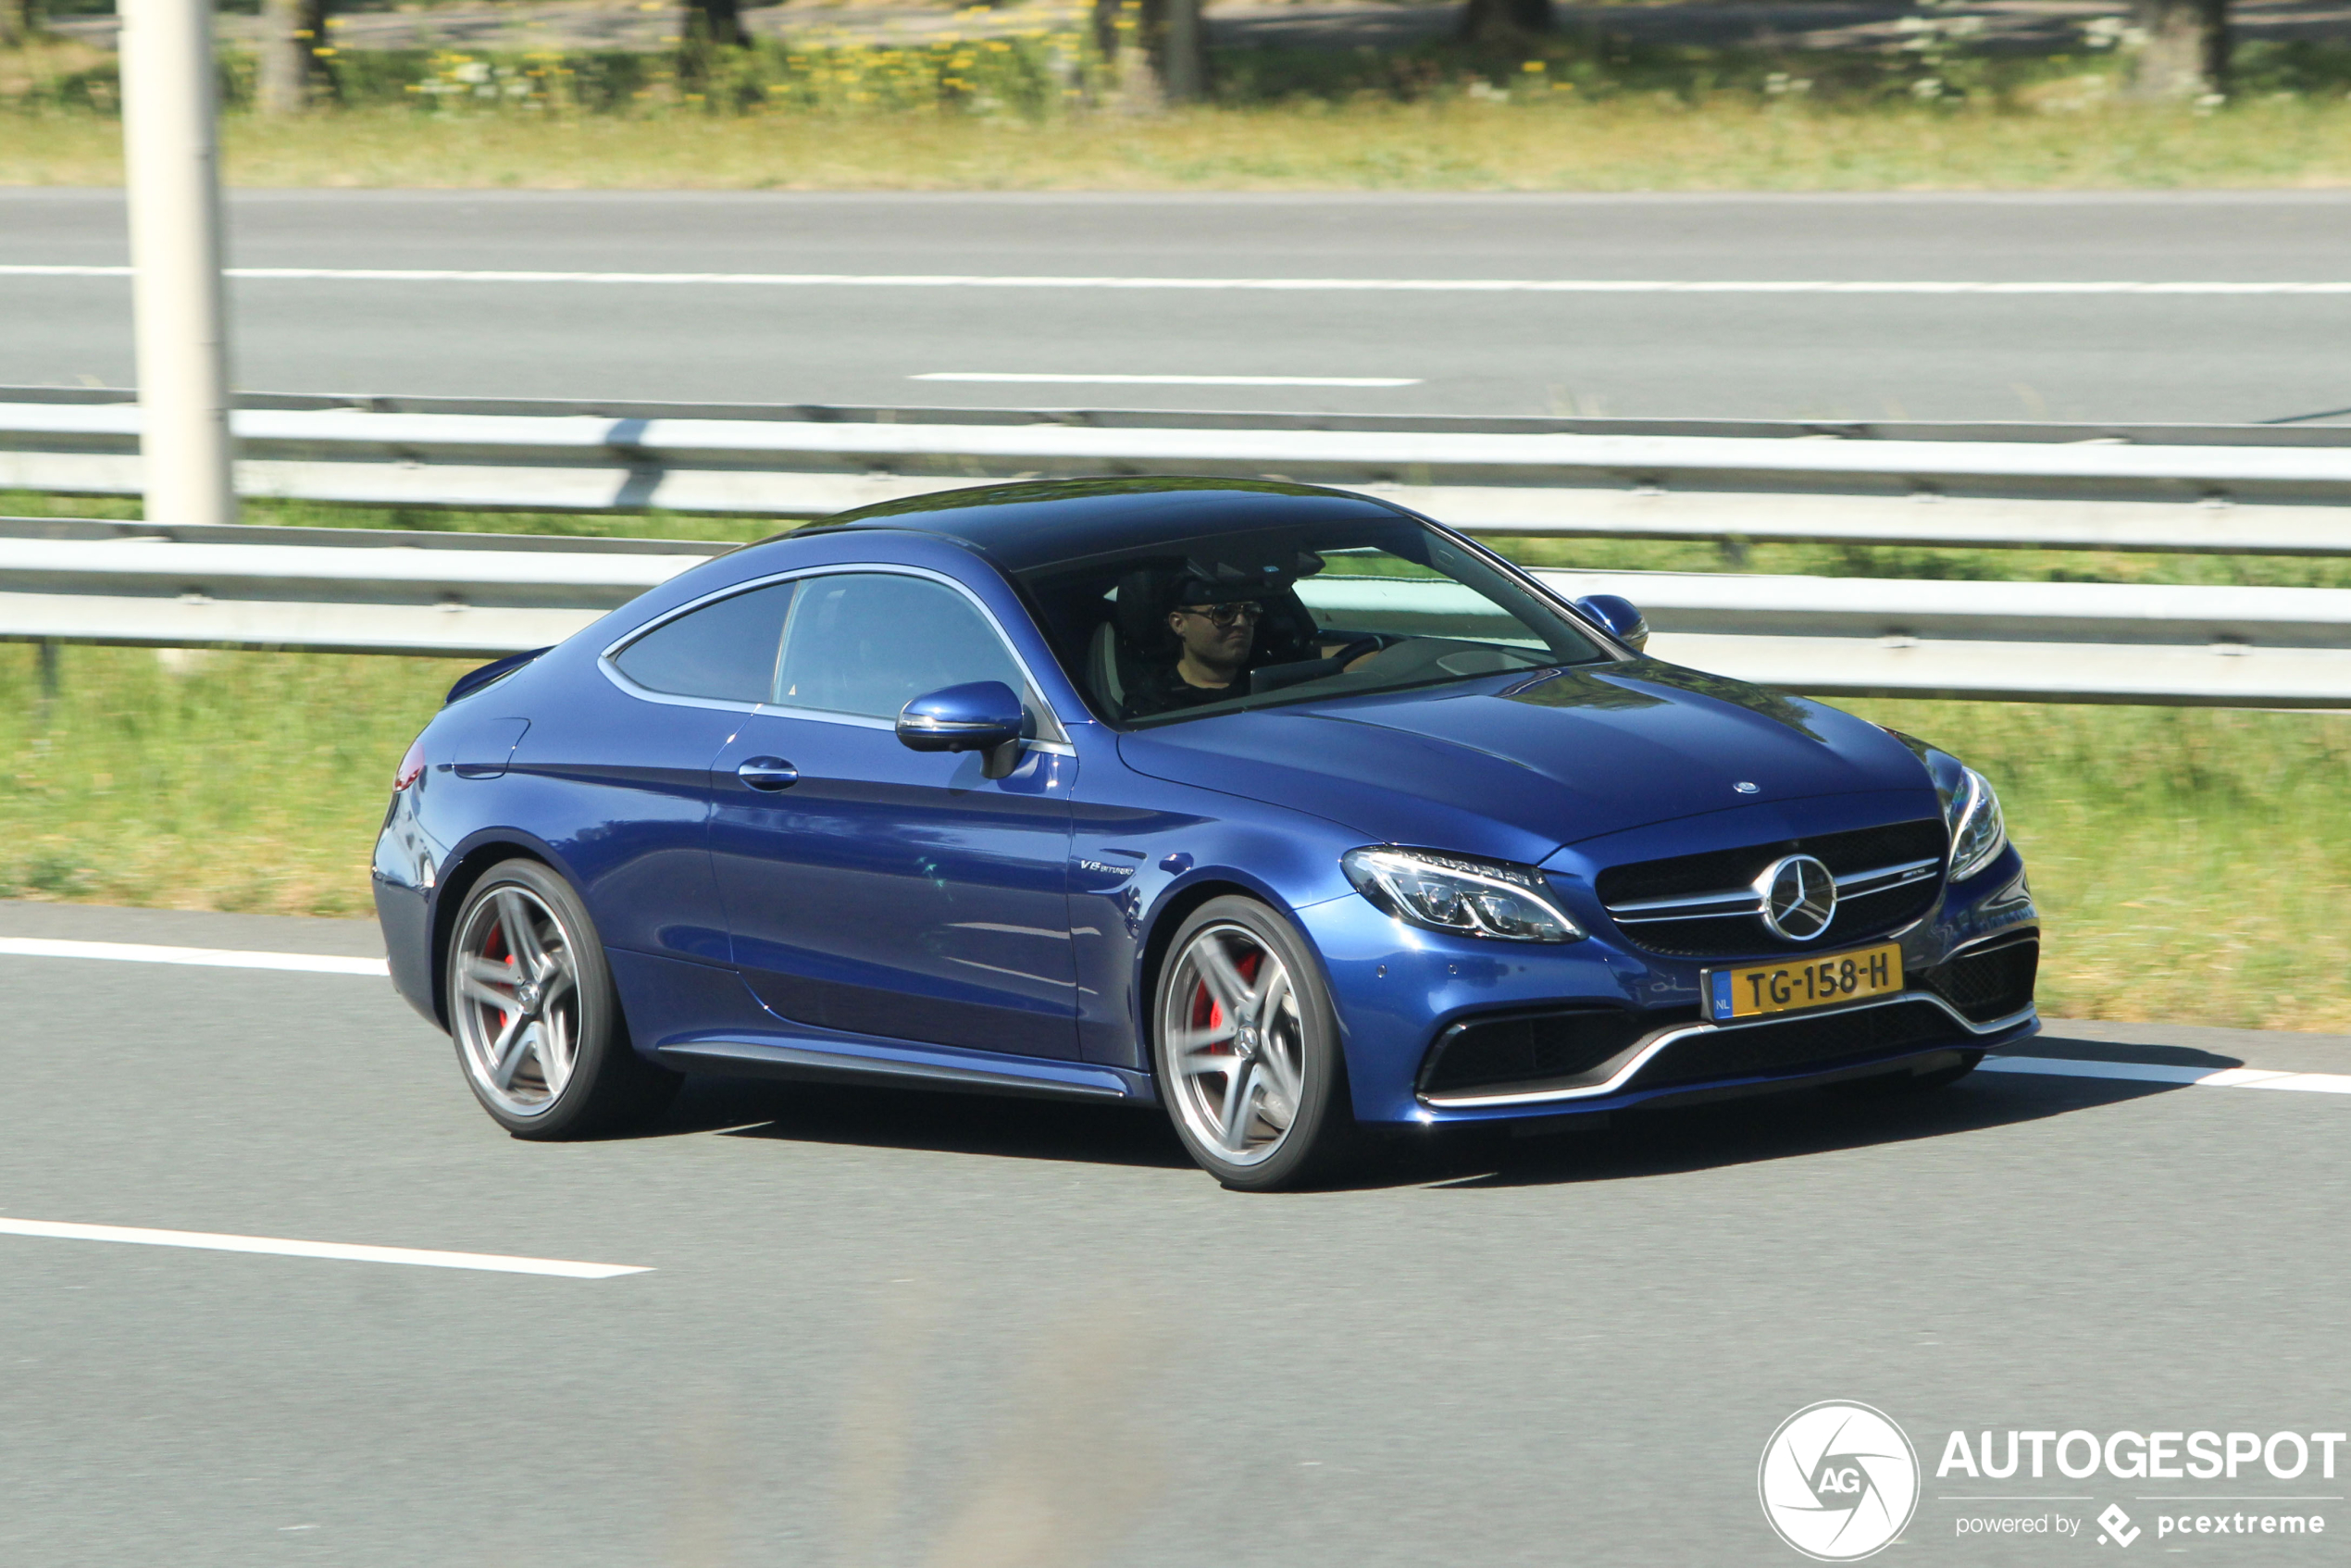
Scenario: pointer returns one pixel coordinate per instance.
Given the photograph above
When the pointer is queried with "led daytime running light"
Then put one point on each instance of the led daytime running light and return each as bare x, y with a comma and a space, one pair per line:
1465, 897
1979, 832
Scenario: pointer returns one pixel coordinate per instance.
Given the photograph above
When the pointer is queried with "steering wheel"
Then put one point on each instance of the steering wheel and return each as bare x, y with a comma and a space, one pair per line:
1357, 648
1405, 658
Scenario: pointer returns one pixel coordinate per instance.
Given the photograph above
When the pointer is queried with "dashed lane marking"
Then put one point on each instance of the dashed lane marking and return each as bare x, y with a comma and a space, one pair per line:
339, 1251
1058, 379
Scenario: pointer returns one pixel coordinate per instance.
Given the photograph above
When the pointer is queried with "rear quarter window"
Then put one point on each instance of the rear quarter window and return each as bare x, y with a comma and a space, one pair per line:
725, 652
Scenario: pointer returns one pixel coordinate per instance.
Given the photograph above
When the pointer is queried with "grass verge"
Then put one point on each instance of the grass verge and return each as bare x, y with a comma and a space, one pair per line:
1632, 144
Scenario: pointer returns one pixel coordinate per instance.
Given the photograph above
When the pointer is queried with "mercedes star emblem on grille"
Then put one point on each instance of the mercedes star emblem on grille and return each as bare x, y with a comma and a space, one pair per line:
1799, 897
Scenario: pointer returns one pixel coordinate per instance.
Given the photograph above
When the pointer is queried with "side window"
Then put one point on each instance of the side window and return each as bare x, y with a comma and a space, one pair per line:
725, 651
869, 642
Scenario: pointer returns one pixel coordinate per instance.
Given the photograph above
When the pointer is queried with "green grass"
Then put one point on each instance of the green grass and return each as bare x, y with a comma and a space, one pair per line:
2190, 862
1025, 112
1629, 145
238, 781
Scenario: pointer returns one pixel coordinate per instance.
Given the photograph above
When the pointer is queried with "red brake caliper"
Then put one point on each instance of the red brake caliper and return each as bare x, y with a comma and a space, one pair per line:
494, 951
1207, 1012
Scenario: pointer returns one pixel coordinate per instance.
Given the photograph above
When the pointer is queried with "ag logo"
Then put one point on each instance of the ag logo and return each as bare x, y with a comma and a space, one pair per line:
1838, 1481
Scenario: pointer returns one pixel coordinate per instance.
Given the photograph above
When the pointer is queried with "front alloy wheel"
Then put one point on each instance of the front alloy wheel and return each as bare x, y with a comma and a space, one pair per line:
1248, 1048
534, 1015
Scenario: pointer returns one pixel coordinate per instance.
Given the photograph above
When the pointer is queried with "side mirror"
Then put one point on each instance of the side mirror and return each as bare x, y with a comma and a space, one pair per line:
983, 717
1619, 616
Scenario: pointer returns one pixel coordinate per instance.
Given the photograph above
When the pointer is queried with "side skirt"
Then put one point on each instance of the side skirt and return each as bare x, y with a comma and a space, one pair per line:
909, 1066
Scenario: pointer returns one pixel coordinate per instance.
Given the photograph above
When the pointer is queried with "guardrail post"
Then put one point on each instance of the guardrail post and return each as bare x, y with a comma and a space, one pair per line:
171, 155
47, 659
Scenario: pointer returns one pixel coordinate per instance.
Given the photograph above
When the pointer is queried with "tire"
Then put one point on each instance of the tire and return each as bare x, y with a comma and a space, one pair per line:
1246, 1047
534, 1015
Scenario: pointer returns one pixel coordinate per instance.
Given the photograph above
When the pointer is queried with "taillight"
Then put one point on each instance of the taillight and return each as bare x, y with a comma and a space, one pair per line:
411, 767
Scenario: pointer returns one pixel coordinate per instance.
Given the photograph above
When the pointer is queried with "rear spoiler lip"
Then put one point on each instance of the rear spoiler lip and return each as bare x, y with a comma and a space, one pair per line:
474, 681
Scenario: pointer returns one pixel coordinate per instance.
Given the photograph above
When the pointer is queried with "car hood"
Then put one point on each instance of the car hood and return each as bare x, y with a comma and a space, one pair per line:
1518, 768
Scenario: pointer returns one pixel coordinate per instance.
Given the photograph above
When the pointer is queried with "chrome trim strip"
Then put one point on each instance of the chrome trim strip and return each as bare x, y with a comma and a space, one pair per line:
1659, 1041
924, 724
1887, 877
1733, 901
1696, 906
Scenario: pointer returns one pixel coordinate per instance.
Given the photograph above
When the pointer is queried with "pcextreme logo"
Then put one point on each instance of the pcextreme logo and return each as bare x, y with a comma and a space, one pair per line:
1838, 1481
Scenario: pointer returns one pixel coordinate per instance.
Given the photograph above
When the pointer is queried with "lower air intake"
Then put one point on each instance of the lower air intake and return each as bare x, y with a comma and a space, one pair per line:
1528, 1049
1990, 982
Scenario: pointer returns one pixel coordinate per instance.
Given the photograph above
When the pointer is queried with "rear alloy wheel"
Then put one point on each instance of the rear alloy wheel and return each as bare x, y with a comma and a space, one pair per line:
534, 1015
1247, 1047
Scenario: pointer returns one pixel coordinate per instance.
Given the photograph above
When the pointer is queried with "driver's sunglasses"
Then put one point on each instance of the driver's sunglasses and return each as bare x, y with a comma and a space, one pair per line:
1227, 616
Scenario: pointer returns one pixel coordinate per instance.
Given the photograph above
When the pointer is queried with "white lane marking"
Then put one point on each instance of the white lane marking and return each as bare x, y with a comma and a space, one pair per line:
339, 1251
2161, 1073
1309, 285
206, 957
1017, 375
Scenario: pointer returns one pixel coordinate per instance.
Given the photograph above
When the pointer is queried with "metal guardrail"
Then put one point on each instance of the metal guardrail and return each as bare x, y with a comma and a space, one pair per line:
475, 595
2243, 490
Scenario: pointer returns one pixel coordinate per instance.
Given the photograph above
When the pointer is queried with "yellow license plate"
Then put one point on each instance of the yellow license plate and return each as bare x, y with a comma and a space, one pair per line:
1750, 990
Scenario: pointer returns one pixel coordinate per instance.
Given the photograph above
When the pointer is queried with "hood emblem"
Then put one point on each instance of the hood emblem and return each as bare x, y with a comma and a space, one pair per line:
1799, 895
1745, 788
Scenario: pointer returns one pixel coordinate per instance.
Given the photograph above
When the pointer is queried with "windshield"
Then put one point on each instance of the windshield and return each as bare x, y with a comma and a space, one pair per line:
1188, 628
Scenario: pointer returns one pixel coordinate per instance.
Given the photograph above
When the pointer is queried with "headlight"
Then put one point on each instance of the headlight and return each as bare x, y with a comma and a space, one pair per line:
1470, 898
1977, 832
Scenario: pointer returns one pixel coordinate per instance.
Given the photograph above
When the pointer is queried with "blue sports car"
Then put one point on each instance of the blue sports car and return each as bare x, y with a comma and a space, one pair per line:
1284, 808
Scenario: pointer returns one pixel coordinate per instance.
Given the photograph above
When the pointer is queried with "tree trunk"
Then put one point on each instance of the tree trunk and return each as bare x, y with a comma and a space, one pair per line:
1155, 50
2185, 51
714, 24
19, 22
710, 26
292, 77
1506, 21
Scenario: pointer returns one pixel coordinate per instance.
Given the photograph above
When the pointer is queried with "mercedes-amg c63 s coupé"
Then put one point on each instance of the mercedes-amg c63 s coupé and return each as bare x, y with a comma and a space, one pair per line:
1283, 808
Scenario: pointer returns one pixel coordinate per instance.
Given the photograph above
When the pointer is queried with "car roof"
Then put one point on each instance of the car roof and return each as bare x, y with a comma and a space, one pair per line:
1050, 522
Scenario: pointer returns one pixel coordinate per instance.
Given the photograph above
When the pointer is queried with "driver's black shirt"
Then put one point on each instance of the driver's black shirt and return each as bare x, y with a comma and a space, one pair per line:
1163, 690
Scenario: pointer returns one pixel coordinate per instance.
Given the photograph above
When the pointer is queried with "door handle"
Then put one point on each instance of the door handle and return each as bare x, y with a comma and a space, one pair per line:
769, 773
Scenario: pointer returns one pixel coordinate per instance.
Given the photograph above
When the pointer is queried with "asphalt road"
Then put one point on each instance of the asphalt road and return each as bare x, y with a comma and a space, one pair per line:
888, 1328
2097, 356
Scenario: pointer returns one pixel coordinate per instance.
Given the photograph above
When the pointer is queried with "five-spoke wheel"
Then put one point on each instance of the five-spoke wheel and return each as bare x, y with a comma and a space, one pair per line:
533, 1012
1246, 1047
518, 1002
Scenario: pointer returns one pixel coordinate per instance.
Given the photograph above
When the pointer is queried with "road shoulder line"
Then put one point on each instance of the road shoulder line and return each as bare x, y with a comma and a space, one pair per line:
202, 957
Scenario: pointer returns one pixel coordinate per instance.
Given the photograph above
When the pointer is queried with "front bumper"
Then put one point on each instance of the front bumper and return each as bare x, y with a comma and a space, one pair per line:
1600, 1026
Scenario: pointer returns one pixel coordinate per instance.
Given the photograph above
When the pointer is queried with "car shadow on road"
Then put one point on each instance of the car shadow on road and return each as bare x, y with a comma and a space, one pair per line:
1747, 1131
1000, 1126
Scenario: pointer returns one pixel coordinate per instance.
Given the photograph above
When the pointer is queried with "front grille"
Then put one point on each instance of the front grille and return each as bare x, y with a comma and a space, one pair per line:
1535, 1047
1817, 1043
1858, 916
1991, 982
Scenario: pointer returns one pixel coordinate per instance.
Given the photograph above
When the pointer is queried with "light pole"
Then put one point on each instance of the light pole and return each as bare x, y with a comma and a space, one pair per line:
171, 153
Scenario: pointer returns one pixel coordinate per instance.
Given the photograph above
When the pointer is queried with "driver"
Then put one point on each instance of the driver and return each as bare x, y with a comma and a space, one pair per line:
1214, 637
1214, 633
